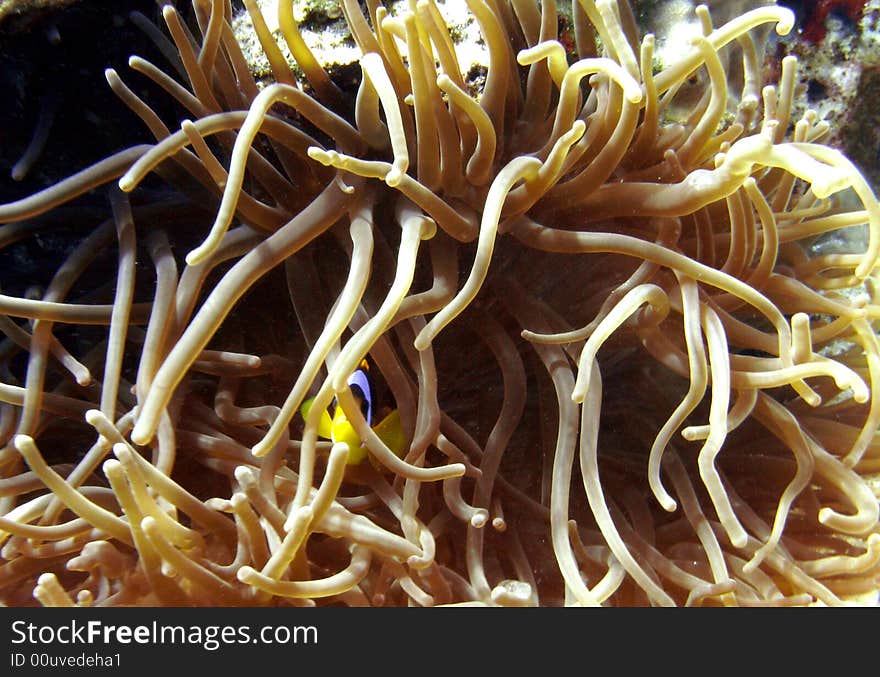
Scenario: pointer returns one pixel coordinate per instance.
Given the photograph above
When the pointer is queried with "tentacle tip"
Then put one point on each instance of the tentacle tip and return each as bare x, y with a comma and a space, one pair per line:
479, 519
668, 504
141, 435
394, 177
122, 452
46, 579
512, 593
786, 21
634, 95
242, 473
261, 448
197, 256
222, 504
422, 341
344, 187
94, 416
861, 396
457, 469
320, 155
739, 539
428, 229
245, 573
579, 127
812, 399
372, 58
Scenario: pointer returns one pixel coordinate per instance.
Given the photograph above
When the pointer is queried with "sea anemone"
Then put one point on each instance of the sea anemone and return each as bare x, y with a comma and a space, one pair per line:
564, 330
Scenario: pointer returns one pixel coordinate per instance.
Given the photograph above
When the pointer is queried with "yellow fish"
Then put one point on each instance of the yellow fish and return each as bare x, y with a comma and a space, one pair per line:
337, 428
